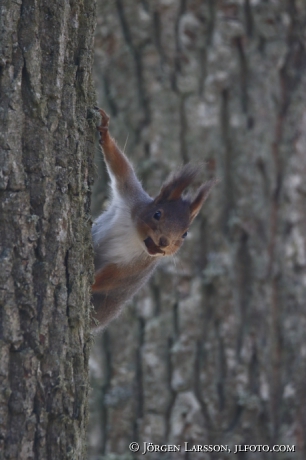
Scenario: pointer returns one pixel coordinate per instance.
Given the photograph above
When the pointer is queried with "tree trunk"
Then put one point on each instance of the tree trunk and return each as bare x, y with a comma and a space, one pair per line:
213, 350
46, 143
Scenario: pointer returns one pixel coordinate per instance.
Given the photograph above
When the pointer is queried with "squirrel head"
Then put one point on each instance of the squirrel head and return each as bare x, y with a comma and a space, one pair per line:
163, 224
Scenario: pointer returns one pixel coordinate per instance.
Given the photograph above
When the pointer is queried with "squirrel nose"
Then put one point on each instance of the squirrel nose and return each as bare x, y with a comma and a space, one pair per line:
163, 242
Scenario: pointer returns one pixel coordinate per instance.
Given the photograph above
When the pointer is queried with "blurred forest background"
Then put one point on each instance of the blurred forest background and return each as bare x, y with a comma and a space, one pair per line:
213, 349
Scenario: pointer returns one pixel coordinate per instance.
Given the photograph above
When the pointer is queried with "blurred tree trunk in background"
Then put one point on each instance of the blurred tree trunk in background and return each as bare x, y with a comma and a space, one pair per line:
213, 351
46, 144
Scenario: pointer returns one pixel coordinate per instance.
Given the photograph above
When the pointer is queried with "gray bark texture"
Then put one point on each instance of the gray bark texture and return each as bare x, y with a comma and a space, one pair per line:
47, 143
213, 350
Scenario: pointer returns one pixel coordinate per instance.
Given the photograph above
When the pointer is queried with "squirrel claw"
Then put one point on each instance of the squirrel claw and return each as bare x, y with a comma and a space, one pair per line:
104, 118
103, 128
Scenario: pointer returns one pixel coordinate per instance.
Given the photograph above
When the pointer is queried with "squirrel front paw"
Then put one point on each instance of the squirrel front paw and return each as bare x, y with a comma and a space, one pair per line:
103, 128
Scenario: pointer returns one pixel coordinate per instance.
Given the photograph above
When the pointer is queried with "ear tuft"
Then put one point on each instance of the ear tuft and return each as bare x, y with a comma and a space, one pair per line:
200, 197
173, 188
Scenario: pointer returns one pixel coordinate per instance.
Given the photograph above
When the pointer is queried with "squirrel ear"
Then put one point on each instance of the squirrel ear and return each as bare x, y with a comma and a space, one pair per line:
200, 197
174, 187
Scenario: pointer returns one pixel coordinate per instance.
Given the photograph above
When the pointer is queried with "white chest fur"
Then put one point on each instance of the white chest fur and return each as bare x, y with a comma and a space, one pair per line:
115, 237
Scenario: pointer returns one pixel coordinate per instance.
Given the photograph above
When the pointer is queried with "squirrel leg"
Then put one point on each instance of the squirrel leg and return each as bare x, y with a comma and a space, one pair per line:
107, 278
117, 163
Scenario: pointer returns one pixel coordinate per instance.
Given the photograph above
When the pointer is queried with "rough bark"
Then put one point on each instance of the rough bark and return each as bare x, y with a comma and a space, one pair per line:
213, 350
46, 144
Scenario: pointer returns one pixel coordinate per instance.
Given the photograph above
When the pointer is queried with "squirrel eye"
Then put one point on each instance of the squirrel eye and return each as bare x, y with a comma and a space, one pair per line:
157, 215
185, 234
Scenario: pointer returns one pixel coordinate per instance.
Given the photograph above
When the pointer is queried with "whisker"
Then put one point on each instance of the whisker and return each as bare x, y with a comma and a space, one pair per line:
126, 143
174, 260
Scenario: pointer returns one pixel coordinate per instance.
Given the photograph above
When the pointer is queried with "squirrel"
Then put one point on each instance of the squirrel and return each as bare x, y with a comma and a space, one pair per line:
136, 231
